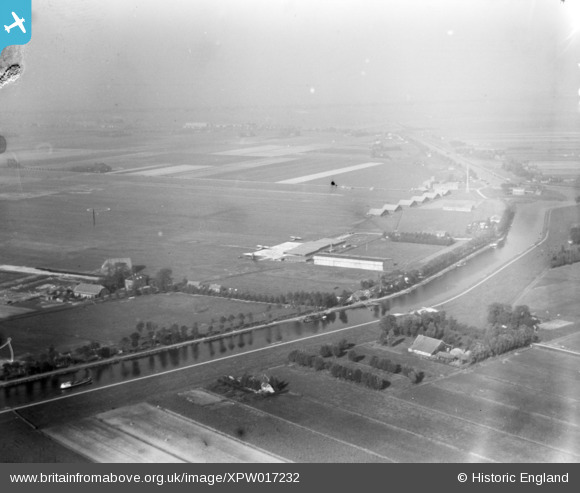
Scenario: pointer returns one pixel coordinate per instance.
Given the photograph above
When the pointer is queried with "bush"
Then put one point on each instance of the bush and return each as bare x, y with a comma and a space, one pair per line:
352, 355
319, 363
325, 351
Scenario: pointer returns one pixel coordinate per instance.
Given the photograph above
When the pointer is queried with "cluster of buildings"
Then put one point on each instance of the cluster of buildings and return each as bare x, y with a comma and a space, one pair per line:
429, 192
435, 348
325, 251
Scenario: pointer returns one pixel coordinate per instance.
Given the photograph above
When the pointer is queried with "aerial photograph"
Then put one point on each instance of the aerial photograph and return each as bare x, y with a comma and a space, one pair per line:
290, 231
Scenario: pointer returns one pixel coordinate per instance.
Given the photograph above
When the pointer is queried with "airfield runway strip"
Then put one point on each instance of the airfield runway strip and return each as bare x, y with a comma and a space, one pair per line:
326, 174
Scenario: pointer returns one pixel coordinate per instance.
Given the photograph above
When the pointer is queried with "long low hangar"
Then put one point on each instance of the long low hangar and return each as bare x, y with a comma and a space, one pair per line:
351, 261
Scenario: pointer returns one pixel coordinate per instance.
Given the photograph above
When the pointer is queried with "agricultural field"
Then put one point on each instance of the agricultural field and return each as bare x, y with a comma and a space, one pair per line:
195, 202
401, 254
22, 443
107, 323
144, 433
569, 342
520, 410
555, 294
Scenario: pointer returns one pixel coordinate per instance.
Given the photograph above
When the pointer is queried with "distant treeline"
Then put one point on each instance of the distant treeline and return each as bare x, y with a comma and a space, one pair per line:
296, 298
517, 168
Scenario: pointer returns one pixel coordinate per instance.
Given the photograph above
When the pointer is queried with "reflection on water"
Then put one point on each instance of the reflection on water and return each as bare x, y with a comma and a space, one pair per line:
162, 359
241, 341
223, 347
231, 343
136, 369
210, 347
174, 356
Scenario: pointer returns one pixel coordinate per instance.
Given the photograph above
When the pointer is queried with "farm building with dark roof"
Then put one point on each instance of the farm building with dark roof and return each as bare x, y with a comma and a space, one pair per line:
425, 346
90, 291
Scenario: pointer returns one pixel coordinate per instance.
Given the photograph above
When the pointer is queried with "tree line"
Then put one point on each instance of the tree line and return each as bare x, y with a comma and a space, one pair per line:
565, 256
424, 238
345, 372
389, 366
507, 329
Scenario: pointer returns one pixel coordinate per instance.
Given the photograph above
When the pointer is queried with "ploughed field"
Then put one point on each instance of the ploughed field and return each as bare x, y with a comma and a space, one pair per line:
522, 407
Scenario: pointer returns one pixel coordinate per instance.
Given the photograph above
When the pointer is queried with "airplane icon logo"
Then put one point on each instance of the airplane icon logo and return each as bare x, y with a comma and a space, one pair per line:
17, 23
21, 17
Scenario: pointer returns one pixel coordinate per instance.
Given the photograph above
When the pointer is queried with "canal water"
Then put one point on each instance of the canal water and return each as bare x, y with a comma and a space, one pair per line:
525, 232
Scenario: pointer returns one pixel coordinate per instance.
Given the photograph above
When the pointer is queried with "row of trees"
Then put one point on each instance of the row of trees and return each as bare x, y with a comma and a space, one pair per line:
337, 370
387, 365
296, 298
502, 314
575, 232
396, 281
338, 349
424, 238
517, 168
254, 383
508, 328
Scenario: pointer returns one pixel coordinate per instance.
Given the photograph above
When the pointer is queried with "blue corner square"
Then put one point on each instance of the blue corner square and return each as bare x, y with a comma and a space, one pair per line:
15, 22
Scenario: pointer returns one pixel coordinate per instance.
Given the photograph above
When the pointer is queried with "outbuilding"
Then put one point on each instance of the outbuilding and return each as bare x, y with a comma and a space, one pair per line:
426, 346
90, 291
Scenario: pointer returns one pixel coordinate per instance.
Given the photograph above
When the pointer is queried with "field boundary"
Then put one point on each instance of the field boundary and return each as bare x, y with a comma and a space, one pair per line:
555, 348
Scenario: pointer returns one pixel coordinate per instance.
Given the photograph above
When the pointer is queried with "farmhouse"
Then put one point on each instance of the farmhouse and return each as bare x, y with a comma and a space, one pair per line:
351, 261
425, 346
90, 291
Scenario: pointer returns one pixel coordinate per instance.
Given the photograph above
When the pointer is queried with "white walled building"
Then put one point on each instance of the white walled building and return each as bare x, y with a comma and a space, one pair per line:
350, 262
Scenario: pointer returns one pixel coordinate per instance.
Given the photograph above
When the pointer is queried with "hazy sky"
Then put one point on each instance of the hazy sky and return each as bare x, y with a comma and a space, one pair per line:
142, 54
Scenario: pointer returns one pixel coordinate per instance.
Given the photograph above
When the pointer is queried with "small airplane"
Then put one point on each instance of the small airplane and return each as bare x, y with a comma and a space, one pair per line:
262, 247
295, 238
17, 23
